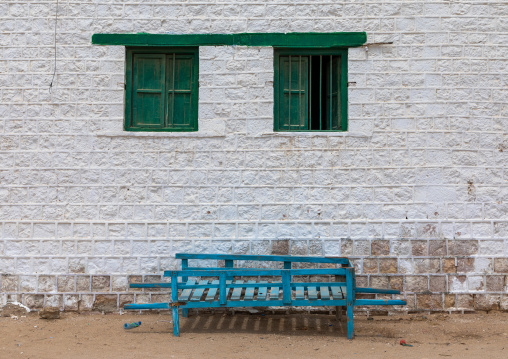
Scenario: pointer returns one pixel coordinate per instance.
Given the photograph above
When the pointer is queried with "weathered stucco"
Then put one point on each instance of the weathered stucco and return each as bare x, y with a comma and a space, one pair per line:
415, 193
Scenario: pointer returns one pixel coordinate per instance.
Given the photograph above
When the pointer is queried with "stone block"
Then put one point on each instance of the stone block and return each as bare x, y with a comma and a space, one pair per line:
241, 247
427, 230
427, 265
328, 265
28, 284
449, 301
396, 282
280, 247
126, 299
153, 279
429, 301
462, 247
261, 247
66, 284
105, 303
71, 302
101, 283
119, 283
411, 302
457, 283
34, 301
495, 283
142, 298
370, 266
315, 248
416, 283
380, 248
388, 265
346, 247
487, 302
406, 266
484, 265
82, 283
379, 281
437, 248
303, 265
475, 283
501, 265
135, 279
465, 301
161, 298
9, 283
448, 265
400, 248
86, 302
361, 248
299, 248
504, 303
54, 300
465, 265
47, 284
437, 284
77, 265
419, 248
362, 281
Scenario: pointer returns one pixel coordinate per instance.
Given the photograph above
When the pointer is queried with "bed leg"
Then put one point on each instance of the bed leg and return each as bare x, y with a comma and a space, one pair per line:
350, 332
176, 322
350, 300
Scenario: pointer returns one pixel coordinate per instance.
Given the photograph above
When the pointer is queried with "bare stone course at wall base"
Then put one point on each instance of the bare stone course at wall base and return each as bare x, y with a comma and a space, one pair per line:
105, 303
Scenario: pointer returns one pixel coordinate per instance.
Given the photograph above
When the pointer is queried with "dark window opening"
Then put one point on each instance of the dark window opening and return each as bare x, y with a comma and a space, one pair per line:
311, 96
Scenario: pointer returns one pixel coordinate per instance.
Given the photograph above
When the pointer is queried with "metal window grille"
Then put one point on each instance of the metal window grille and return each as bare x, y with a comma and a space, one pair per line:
310, 97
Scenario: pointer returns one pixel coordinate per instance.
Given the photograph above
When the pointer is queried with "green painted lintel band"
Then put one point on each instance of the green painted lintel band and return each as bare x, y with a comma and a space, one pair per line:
291, 39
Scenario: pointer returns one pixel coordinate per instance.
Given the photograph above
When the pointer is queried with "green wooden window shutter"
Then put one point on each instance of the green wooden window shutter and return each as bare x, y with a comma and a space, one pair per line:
148, 91
294, 97
310, 90
161, 90
179, 87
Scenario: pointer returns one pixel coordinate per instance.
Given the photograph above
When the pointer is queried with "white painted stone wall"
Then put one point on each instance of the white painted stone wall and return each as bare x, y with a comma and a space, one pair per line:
415, 193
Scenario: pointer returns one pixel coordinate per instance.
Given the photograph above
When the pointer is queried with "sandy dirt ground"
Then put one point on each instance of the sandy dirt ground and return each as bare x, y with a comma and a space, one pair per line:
223, 335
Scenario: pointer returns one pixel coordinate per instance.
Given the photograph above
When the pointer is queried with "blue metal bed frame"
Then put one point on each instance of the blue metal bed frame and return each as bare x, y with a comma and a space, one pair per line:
224, 292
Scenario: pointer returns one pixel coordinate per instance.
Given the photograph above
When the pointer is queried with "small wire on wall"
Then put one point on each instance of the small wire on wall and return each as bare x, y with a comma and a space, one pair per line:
54, 70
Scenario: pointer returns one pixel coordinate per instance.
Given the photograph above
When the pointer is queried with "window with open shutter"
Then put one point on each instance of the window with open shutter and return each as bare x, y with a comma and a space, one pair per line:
161, 89
310, 90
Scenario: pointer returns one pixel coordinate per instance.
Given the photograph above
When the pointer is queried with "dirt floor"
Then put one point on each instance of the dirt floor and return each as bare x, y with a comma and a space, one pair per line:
223, 335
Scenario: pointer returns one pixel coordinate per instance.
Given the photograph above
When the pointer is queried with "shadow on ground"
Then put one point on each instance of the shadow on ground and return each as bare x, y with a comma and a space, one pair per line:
263, 324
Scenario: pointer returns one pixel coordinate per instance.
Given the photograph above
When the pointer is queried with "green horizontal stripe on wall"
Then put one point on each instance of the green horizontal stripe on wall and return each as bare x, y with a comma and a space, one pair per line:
291, 39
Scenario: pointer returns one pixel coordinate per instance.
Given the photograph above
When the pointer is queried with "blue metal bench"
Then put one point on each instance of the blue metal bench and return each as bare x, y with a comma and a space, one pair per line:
224, 287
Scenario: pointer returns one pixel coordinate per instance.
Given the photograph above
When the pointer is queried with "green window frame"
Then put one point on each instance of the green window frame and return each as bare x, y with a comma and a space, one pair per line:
310, 90
161, 89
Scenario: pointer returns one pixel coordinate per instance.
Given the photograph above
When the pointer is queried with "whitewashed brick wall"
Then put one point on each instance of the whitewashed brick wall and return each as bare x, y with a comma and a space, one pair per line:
415, 193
